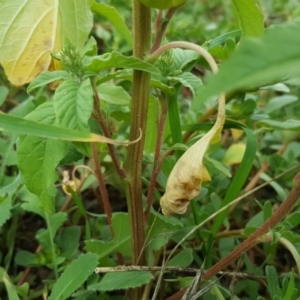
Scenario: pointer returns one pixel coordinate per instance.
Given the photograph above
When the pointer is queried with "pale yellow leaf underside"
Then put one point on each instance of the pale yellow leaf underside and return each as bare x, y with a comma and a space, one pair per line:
31, 29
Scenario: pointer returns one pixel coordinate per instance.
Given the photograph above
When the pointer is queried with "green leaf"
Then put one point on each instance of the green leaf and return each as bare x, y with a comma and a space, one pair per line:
239, 178
182, 259
290, 289
117, 60
26, 259
279, 102
74, 276
73, 104
7, 196
120, 243
161, 229
5, 207
38, 158
220, 40
250, 18
255, 63
151, 129
46, 236
10, 288
282, 125
122, 280
127, 75
3, 94
218, 165
113, 94
190, 81
115, 18
68, 240
183, 58
23, 126
32, 203
273, 282
46, 78
82, 211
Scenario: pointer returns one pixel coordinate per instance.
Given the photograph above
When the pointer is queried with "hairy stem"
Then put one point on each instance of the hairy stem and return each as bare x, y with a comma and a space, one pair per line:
133, 164
161, 27
157, 161
98, 116
102, 187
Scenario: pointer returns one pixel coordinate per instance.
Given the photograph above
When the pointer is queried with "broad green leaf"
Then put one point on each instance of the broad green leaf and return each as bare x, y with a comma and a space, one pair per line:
293, 220
279, 102
48, 25
122, 280
114, 17
68, 240
117, 60
255, 63
73, 104
46, 236
38, 158
47, 77
121, 241
183, 57
23, 126
250, 18
190, 81
161, 230
74, 276
32, 202
168, 90
89, 49
26, 259
113, 94
151, 128
7, 196
182, 259
283, 125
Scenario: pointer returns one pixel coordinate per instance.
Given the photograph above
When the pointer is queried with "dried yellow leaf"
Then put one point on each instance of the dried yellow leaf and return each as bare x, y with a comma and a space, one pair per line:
184, 182
31, 30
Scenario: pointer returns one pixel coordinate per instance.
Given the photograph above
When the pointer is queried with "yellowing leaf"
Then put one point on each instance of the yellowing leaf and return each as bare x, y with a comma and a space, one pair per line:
236, 133
31, 30
184, 182
234, 154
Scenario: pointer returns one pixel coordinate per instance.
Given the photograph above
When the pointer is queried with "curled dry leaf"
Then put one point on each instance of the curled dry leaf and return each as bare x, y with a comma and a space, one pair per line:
67, 182
184, 182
